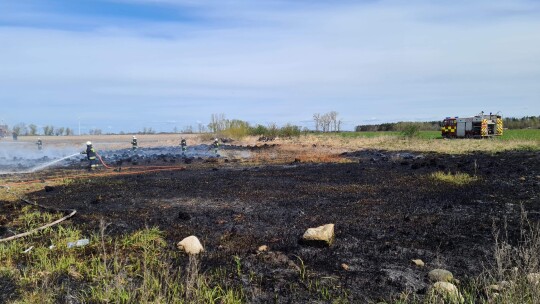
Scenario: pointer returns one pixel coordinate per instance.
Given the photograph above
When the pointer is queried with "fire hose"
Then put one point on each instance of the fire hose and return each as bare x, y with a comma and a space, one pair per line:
20, 235
101, 160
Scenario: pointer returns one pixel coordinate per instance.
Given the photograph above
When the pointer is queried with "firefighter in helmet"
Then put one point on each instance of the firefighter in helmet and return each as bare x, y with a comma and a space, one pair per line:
215, 145
91, 156
39, 144
134, 143
183, 144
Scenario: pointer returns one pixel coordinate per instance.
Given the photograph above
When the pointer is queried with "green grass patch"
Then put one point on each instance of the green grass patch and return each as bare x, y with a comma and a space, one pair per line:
458, 178
521, 134
373, 134
134, 268
518, 134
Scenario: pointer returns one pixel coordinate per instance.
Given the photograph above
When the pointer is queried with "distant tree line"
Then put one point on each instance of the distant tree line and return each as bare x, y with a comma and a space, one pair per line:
147, 130
400, 126
527, 122
21, 129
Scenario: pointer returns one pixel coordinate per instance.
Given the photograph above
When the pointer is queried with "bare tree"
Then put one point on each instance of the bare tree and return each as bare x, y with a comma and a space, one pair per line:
217, 123
327, 122
317, 119
201, 128
147, 130
95, 132
187, 129
333, 118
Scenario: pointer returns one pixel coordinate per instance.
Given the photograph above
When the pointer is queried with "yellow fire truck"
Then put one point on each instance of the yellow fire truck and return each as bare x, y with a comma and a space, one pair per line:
479, 126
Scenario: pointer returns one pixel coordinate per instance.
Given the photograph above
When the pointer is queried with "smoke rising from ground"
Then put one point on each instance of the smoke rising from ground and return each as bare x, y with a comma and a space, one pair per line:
24, 156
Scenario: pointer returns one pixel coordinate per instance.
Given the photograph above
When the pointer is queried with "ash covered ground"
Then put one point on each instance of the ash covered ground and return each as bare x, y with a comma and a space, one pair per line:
385, 206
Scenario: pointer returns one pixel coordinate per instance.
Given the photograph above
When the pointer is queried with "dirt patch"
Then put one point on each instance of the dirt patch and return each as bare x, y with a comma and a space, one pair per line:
386, 209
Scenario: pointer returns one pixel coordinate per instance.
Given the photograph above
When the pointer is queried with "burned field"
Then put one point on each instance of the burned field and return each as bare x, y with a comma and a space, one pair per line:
387, 209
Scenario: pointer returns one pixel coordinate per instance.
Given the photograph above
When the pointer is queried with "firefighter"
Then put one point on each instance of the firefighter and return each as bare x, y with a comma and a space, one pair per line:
183, 144
91, 156
215, 145
134, 143
39, 144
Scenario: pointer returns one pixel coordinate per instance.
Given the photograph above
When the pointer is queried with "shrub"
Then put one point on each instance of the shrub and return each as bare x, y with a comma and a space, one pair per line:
410, 130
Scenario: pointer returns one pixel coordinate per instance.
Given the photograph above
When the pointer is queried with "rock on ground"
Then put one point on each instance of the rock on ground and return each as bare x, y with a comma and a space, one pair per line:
405, 278
534, 278
320, 236
447, 291
418, 262
190, 245
440, 275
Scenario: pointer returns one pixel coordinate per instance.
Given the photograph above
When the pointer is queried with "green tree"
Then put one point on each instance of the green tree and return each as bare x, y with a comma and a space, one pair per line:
59, 131
32, 130
20, 129
48, 130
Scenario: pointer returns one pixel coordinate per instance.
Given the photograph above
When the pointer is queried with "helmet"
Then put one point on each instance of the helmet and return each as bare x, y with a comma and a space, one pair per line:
134, 137
88, 143
39, 138
215, 139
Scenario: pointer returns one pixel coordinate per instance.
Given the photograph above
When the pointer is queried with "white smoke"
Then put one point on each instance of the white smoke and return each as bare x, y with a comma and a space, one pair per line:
21, 157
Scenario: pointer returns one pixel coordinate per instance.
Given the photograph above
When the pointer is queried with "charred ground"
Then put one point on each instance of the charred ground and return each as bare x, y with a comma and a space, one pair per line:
386, 207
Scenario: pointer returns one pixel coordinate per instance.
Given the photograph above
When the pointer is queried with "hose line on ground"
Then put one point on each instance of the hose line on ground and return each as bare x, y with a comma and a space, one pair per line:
20, 235
101, 160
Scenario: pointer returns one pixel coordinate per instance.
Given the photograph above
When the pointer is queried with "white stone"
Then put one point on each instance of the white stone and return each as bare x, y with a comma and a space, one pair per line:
440, 275
494, 288
323, 233
190, 245
533, 278
447, 290
418, 262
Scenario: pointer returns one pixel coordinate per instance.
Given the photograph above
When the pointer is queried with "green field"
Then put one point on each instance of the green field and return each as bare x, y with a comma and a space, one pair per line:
522, 134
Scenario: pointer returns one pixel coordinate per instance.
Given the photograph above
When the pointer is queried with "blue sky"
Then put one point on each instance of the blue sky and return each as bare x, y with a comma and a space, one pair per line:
128, 64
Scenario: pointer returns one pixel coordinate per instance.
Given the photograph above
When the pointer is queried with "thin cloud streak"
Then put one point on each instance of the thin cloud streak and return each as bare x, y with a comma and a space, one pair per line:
378, 59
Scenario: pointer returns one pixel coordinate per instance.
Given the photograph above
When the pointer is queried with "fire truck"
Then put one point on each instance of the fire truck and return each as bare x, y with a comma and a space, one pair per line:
479, 126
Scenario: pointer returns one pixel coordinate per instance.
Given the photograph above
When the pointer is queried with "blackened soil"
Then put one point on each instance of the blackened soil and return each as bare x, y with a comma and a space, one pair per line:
8, 288
386, 209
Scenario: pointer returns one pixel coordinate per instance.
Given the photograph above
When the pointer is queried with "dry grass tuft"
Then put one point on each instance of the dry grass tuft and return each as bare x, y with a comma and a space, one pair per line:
458, 178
